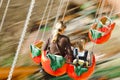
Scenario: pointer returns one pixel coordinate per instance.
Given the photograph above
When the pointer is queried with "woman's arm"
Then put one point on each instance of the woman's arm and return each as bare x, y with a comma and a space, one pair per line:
69, 49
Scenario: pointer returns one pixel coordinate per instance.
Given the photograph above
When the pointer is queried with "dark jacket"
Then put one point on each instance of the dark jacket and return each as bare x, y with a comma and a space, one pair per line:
61, 47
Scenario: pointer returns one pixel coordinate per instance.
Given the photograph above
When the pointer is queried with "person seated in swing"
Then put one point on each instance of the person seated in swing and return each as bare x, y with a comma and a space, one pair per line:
82, 56
58, 43
100, 28
104, 21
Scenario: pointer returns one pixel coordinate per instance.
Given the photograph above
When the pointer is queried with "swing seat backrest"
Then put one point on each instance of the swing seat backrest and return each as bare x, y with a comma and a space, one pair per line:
108, 28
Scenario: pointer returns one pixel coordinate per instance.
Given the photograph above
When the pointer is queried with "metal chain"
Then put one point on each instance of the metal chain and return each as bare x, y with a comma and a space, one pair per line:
21, 39
44, 13
4, 15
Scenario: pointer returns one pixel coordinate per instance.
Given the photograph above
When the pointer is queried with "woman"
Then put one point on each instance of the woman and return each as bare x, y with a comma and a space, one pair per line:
82, 55
58, 43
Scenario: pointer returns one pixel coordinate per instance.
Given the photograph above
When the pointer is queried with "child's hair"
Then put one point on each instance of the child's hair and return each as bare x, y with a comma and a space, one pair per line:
59, 26
103, 19
81, 43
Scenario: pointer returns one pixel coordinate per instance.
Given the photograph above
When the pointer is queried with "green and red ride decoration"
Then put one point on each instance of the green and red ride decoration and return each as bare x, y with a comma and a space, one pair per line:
56, 65
101, 31
81, 73
53, 64
36, 51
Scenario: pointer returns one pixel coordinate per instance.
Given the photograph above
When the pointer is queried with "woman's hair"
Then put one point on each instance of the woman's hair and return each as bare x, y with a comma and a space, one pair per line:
58, 28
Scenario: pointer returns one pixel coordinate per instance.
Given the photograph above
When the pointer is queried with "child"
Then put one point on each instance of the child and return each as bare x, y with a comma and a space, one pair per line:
82, 55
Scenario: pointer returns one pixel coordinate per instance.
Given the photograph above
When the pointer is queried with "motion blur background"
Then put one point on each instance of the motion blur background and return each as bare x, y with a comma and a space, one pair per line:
79, 16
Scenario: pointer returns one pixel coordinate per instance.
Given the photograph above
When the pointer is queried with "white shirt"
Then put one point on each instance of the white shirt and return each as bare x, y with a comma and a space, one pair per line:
81, 54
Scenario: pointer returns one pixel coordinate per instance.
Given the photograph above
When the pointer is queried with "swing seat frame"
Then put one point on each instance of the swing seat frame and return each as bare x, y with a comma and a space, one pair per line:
83, 76
45, 61
37, 59
107, 30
